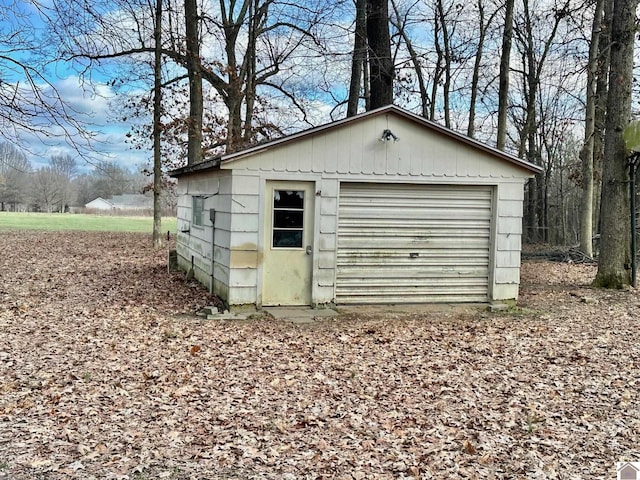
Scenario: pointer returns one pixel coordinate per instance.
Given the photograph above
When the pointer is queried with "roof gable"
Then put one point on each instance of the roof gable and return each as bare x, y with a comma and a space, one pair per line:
100, 200
390, 109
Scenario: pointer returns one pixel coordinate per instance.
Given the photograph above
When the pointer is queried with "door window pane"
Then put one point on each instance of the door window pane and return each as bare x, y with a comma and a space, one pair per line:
287, 239
288, 218
288, 199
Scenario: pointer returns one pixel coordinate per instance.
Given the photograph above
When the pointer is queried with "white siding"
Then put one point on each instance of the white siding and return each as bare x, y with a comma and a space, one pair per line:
194, 242
506, 276
356, 151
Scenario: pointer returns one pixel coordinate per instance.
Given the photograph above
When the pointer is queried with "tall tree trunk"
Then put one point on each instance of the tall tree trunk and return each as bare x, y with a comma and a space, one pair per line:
530, 218
250, 75
380, 63
601, 110
234, 17
359, 57
157, 128
437, 69
476, 71
446, 57
194, 145
586, 154
505, 56
615, 254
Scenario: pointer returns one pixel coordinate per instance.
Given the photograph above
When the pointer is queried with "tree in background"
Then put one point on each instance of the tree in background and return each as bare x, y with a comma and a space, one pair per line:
195, 138
535, 39
615, 255
359, 64
106, 180
505, 67
587, 152
51, 187
381, 71
15, 171
65, 169
45, 192
194, 72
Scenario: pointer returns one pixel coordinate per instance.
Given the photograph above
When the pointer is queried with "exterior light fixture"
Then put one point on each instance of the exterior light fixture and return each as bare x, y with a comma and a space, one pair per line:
388, 135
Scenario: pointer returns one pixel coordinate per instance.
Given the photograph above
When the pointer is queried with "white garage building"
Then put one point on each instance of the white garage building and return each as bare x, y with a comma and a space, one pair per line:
383, 207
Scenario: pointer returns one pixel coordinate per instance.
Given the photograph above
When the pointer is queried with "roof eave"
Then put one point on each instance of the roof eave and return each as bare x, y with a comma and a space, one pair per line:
197, 167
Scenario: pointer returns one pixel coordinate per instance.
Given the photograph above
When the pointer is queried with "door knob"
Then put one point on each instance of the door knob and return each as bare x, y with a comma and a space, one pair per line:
309, 250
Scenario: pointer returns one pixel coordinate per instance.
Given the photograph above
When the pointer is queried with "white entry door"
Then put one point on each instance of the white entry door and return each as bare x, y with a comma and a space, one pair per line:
288, 243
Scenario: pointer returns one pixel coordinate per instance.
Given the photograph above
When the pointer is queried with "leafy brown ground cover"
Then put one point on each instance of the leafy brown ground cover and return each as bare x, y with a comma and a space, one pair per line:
106, 373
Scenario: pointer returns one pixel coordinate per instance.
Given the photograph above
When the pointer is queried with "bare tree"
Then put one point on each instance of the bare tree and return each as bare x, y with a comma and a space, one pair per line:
505, 62
30, 104
15, 170
400, 22
195, 137
615, 255
444, 24
194, 67
587, 152
45, 190
63, 169
359, 58
602, 85
255, 44
484, 23
534, 52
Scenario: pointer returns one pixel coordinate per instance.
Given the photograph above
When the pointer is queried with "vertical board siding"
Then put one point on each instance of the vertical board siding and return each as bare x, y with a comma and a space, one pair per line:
400, 243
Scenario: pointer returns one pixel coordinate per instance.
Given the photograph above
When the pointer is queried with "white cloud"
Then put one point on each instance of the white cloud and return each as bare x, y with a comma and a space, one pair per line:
91, 108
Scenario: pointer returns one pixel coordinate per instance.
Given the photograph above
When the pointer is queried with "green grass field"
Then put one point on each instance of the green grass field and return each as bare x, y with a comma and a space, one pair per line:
81, 222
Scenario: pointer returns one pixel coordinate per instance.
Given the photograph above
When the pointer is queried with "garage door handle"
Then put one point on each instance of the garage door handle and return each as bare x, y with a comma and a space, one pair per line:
309, 250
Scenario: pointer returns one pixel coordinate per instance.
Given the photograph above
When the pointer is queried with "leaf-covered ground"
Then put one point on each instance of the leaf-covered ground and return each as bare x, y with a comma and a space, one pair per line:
105, 373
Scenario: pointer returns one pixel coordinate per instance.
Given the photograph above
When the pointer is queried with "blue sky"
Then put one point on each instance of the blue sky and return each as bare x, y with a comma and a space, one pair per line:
93, 104
97, 110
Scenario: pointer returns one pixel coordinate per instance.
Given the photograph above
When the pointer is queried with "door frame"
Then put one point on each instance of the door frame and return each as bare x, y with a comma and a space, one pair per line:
265, 223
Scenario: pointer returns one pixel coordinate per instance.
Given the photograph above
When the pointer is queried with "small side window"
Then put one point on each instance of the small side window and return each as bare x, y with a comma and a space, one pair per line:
198, 209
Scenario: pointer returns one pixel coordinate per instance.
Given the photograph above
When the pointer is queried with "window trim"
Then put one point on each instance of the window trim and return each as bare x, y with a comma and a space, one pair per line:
197, 212
300, 229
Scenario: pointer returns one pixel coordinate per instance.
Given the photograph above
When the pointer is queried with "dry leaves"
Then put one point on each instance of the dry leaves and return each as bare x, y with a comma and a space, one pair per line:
106, 373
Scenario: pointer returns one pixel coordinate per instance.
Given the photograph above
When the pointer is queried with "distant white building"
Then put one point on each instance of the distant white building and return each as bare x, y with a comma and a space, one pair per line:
99, 204
128, 201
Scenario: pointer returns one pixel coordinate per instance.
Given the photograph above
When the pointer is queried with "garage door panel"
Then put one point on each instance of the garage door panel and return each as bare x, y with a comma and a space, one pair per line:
413, 244
395, 215
469, 277
407, 243
388, 244
440, 264
417, 295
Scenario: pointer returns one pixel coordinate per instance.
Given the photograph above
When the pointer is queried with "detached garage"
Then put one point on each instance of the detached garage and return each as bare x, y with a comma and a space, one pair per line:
383, 207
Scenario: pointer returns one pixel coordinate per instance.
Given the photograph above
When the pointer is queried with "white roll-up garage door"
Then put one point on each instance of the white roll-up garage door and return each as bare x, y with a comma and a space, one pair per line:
400, 243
